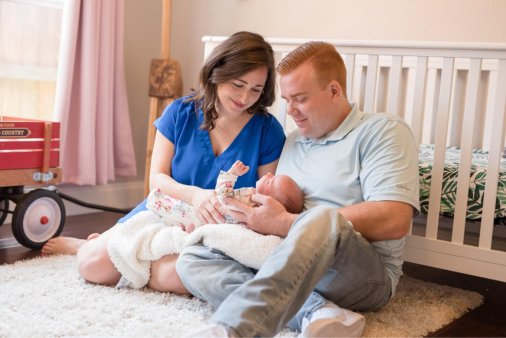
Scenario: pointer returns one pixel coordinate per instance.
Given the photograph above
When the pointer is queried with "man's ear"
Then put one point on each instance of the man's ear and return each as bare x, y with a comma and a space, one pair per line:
335, 88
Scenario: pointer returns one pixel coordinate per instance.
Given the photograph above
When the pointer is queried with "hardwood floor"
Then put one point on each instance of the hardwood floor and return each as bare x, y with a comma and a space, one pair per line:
489, 320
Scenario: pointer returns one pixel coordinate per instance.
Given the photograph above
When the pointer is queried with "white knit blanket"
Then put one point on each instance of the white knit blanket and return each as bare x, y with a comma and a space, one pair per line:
143, 238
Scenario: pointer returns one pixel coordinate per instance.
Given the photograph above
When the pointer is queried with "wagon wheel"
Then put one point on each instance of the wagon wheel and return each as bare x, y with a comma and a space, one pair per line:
39, 215
4, 209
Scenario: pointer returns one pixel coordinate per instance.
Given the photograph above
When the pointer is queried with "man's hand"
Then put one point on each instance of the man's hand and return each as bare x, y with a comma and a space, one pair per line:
206, 207
270, 217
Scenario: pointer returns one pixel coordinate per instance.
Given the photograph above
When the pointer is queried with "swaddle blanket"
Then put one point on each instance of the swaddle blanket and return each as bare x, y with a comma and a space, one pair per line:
143, 238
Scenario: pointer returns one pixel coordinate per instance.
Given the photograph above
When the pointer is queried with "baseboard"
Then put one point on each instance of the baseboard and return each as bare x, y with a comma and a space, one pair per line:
122, 195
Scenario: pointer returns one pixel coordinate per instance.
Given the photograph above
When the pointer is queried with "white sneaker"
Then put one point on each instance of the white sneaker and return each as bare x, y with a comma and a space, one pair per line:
332, 321
210, 331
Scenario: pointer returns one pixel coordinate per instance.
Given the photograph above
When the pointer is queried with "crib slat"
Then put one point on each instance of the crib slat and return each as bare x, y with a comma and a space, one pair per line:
418, 98
350, 73
394, 85
208, 48
470, 108
443, 113
370, 87
494, 158
280, 110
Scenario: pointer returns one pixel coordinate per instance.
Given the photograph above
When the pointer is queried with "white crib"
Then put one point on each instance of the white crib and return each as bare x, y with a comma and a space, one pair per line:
451, 94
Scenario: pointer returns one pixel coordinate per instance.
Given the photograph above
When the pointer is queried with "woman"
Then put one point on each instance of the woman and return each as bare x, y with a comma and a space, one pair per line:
224, 120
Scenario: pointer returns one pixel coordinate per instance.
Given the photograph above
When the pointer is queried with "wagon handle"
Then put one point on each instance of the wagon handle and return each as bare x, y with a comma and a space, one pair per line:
46, 154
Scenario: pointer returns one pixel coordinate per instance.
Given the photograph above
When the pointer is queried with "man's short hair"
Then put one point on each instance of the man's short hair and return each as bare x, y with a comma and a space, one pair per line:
327, 62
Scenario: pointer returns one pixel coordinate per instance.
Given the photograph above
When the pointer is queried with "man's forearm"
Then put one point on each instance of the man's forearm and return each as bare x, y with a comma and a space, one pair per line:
378, 221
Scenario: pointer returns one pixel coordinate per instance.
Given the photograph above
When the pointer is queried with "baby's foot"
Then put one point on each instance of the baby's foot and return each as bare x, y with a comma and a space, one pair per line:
63, 245
93, 236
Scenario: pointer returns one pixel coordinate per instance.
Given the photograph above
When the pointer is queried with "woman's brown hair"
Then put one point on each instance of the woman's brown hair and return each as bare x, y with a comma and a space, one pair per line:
241, 53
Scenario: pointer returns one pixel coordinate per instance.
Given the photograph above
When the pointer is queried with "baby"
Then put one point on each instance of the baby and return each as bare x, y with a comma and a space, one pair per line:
281, 187
153, 234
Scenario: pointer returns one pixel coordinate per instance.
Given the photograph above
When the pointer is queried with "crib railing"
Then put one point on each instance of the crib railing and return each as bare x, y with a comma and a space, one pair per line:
451, 94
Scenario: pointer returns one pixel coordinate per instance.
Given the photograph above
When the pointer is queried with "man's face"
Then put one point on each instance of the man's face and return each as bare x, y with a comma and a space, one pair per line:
311, 107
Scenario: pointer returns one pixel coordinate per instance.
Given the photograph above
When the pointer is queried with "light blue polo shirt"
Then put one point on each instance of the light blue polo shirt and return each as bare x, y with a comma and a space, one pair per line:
369, 157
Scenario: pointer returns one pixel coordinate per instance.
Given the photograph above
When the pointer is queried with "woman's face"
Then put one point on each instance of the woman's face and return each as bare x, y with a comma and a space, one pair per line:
237, 95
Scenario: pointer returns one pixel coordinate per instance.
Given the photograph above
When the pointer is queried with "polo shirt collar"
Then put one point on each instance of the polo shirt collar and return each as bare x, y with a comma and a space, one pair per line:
350, 122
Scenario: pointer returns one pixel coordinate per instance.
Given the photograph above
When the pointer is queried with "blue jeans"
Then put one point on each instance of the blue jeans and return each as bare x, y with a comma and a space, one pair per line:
321, 258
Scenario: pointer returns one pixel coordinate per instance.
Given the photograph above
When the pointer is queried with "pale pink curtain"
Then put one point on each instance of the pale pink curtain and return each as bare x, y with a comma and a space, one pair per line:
91, 99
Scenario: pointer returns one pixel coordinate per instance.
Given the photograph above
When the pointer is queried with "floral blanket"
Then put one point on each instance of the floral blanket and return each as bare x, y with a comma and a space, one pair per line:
478, 176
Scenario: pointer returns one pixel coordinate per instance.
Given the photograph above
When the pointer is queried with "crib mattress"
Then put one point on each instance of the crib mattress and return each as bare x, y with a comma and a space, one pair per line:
478, 176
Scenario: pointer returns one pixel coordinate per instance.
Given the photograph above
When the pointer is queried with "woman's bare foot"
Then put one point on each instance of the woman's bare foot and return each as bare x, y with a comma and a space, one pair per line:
64, 245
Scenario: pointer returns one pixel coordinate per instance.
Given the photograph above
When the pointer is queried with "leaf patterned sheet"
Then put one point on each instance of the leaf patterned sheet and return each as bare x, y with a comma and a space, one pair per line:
478, 176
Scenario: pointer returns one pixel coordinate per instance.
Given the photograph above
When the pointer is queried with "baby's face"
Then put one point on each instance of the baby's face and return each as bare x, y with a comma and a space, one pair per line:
265, 185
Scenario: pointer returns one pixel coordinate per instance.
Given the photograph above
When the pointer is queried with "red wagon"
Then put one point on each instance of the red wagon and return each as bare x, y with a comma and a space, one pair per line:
29, 167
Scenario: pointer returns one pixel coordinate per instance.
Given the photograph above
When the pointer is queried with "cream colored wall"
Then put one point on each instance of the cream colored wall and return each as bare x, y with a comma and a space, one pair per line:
421, 20
143, 26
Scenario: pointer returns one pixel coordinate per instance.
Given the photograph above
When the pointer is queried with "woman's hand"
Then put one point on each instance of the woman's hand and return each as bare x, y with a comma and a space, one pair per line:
206, 207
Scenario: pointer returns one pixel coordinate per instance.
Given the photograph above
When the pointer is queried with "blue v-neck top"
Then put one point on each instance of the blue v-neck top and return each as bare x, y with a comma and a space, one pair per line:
259, 142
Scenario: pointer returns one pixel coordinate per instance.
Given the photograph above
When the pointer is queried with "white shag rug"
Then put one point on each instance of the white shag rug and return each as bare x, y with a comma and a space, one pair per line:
44, 297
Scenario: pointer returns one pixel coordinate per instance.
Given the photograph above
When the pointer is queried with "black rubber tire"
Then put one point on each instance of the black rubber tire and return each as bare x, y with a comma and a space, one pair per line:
4, 207
39, 216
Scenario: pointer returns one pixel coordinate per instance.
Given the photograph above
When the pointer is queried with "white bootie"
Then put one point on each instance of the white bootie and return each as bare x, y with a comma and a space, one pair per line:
332, 321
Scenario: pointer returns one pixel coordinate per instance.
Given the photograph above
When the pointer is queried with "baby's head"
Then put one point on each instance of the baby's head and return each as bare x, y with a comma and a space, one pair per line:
283, 189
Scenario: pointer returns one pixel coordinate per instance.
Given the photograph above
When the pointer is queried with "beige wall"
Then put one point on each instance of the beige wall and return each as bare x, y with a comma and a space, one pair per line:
421, 20
143, 25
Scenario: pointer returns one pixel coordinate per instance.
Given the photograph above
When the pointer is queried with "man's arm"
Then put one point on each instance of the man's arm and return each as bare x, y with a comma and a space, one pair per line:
376, 221
380, 220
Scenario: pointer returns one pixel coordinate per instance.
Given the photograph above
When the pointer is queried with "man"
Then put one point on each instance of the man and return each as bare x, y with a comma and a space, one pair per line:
359, 173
